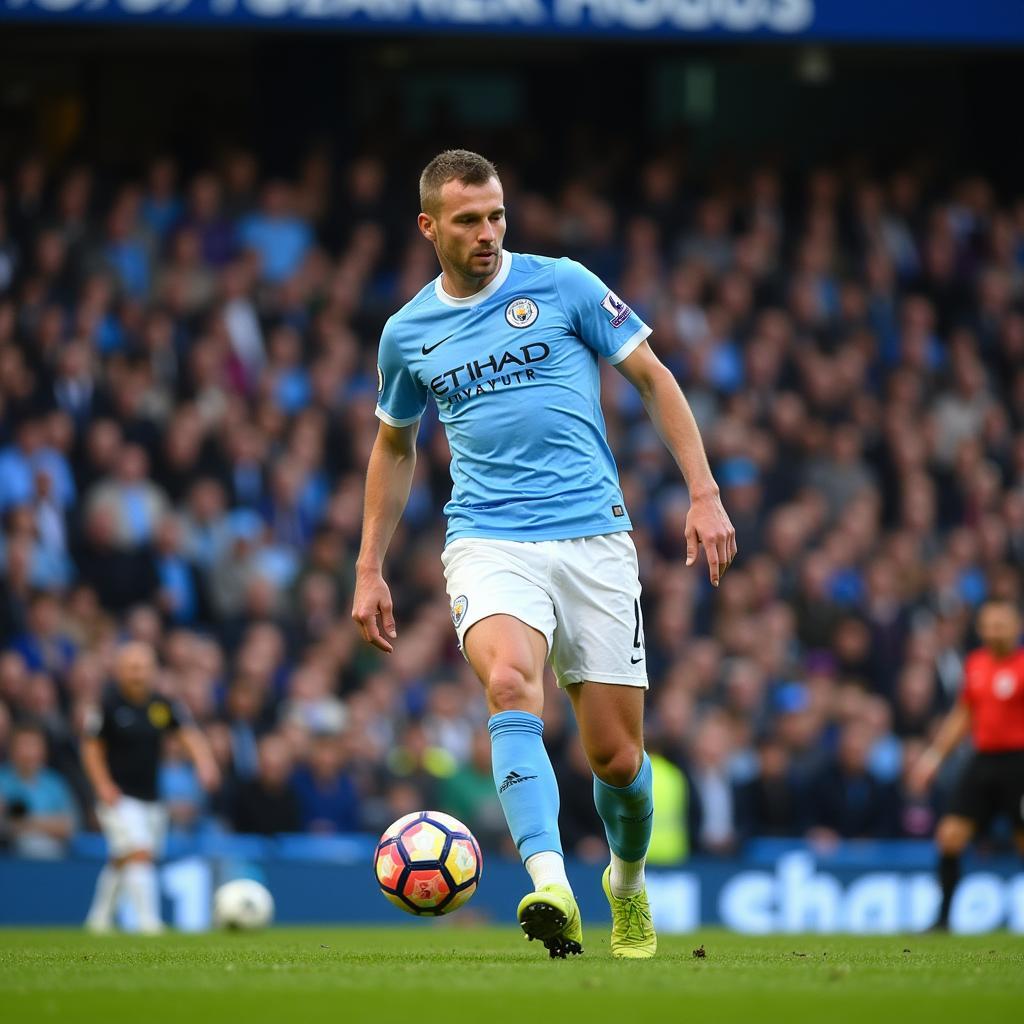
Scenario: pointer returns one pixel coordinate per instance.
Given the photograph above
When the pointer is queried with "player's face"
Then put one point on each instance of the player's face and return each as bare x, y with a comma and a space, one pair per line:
999, 627
468, 228
135, 667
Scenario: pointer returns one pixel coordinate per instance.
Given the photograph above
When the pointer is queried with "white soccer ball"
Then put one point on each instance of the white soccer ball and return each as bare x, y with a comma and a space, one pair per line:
243, 905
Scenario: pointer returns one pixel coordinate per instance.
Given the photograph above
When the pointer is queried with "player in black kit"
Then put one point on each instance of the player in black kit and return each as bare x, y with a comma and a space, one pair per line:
121, 754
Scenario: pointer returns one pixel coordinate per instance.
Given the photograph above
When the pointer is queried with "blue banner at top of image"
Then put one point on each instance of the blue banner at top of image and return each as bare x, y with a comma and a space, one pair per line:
947, 22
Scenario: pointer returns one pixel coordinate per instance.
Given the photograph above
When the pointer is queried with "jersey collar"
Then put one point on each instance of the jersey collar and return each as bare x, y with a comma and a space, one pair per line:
483, 294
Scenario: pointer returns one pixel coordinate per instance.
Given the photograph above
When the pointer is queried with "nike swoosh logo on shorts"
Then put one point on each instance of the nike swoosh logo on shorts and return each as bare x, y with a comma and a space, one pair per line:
635, 661
426, 351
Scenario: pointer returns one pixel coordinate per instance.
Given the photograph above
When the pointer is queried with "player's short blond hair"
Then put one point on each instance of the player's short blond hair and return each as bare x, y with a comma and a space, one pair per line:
460, 165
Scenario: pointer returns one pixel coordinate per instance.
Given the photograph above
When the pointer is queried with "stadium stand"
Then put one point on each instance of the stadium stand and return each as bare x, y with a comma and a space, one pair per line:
187, 385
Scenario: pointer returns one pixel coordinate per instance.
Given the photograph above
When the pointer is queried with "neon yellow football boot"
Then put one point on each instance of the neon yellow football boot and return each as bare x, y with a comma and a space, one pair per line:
633, 935
551, 915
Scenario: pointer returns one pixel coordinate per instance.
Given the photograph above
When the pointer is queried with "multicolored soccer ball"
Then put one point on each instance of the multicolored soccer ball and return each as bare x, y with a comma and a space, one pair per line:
428, 863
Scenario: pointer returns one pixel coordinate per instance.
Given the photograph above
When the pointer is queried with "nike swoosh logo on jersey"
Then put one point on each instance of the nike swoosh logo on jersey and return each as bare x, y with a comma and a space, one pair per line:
635, 661
426, 351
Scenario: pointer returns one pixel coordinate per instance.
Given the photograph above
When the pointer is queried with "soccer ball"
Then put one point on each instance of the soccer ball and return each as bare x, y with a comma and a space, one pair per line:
243, 905
428, 863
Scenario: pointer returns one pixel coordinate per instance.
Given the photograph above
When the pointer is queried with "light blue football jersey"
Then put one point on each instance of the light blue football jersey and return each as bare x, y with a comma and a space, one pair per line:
514, 372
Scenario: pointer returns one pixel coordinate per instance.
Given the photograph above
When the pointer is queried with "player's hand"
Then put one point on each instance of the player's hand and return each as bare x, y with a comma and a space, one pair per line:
108, 794
707, 523
374, 611
922, 773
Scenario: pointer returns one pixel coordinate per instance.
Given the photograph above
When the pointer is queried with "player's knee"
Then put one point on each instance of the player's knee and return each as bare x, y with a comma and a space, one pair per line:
509, 688
951, 837
139, 857
619, 765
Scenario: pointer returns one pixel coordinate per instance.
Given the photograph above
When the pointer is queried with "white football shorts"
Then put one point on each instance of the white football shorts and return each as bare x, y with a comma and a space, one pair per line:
582, 594
132, 826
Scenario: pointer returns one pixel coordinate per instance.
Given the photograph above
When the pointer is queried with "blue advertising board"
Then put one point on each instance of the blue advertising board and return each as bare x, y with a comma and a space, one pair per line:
946, 22
878, 890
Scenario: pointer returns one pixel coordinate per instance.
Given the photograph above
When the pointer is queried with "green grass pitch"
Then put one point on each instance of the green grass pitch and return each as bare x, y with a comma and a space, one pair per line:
441, 972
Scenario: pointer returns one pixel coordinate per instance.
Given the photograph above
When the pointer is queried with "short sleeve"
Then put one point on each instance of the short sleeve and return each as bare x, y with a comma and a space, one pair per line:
598, 316
97, 722
401, 399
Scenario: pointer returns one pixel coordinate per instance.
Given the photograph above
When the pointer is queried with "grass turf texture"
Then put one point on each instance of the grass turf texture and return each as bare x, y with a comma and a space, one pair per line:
450, 975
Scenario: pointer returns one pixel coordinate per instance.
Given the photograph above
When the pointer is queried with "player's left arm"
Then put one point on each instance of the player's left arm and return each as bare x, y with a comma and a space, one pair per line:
707, 522
198, 748
951, 733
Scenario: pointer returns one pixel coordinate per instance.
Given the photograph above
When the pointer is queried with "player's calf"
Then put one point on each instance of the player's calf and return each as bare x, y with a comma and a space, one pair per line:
951, 837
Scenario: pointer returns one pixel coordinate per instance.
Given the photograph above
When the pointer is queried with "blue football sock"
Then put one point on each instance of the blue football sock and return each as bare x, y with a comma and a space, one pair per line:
525, 780
627, 813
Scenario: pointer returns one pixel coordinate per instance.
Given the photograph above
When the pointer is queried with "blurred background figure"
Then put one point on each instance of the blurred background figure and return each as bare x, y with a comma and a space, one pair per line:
991, 710
845, 800
37, 810
121, 753
268, 803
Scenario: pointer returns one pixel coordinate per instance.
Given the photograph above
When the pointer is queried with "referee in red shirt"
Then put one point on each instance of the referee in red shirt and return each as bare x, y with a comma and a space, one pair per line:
991, 708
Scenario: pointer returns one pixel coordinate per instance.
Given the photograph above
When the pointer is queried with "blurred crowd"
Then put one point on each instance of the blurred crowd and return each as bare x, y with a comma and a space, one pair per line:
187, 386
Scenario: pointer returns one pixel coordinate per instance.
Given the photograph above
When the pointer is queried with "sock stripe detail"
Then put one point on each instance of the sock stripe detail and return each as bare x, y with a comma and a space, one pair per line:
511, 722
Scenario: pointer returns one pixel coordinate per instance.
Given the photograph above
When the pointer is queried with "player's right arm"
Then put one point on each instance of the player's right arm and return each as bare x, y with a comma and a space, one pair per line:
401, 400
388, 482
94, 761
955, 726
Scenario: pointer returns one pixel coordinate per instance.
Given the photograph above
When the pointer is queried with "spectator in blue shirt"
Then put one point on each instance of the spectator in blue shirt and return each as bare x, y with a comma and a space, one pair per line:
289, 521
17, 484
44, 645
161, 206
280, 238
179, 591
48, 565
37, 811
125, 250
327, 796
287, 378
52, 464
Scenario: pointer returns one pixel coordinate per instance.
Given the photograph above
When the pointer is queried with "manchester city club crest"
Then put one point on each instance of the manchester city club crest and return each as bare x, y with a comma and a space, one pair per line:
521, 312
459, 606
